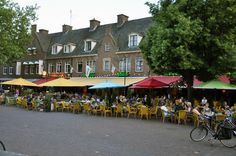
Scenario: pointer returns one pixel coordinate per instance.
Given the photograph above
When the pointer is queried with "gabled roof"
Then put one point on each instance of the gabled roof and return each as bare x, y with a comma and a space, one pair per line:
119, 34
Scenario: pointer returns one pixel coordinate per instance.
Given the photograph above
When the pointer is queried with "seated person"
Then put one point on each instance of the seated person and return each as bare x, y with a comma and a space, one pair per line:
167, 110
204, 101
207, 111
179, 107
233, 108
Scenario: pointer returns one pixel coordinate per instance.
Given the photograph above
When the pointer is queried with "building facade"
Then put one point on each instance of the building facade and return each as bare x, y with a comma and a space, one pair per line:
97, 51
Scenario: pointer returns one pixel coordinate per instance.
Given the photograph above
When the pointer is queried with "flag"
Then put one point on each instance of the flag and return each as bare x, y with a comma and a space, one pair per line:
113, 68
71, 70
88, 70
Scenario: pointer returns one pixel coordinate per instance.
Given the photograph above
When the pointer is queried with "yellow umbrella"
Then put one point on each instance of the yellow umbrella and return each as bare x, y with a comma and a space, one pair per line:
61, 82
19, 82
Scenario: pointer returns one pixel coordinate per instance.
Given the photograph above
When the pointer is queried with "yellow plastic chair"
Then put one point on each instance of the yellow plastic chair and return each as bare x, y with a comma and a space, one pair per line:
57, 107
196, 121
107, 110
144, 112
153, 111
119, 110
182, 116
218, 118
24, 103
19, 101
234, 117
65, 106
76, 108
131, 111
34, 105
87, 108
98, 110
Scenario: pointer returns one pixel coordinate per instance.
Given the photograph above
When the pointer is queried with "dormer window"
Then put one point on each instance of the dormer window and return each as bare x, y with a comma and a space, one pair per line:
89, 45
69, 48
31, 50
134, 40
56, 48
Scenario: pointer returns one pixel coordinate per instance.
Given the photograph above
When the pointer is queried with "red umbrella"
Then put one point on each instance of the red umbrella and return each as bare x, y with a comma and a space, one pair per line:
40, 81
149, 82
168, 79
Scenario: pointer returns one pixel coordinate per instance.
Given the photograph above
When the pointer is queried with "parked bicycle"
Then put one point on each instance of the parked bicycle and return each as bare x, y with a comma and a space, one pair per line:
3, 146
225, 132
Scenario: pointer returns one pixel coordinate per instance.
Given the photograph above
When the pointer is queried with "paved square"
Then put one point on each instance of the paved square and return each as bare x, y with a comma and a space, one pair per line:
67, 134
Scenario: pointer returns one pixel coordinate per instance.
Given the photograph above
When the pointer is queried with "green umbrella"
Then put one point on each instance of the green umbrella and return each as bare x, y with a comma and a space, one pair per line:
215, 84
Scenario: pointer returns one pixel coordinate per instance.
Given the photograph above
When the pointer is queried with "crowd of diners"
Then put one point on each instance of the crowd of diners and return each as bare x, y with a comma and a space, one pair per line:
162, 106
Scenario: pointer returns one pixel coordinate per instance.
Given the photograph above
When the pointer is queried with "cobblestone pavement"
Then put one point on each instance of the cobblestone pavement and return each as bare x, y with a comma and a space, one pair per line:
67, 134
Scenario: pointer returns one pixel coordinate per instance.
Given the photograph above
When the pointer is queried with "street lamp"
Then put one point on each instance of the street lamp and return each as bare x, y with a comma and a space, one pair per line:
44, 74
125, 70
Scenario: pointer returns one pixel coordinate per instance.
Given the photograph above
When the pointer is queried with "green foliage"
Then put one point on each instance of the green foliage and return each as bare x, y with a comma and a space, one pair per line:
14, 30
192, 37
27, 92
90, 75
47, 102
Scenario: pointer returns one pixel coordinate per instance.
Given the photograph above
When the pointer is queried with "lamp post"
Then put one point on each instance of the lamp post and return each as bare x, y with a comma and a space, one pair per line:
125, 66
125, 70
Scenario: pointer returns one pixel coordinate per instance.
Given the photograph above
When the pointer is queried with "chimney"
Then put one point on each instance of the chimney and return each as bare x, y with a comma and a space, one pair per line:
66, 28
121, 19
33, 28
43, 31
94, 24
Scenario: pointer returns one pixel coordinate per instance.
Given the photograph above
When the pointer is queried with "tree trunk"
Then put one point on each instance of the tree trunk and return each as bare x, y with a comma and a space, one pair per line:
189, 81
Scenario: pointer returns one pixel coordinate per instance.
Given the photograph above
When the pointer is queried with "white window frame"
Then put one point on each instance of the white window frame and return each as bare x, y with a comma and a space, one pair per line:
59, 67
134, 40
92, 65
56, 48
10, 70
4, 71
31, 70
107, 47
106, 64
68, 48
139, 64
67, 67
125, 64
89, 48
37, 69
26, 69
79, 63
50, 68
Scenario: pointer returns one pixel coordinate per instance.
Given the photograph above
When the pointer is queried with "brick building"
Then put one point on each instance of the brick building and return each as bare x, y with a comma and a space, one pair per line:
109, 50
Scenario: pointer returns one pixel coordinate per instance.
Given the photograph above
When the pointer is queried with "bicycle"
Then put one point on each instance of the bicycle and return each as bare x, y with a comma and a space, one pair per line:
3, 146
225, 132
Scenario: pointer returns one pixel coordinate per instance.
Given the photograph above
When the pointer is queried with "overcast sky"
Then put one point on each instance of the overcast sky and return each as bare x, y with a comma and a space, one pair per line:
53, 14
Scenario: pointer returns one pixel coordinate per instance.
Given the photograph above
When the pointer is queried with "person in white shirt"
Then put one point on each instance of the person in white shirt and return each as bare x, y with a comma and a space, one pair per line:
204, 101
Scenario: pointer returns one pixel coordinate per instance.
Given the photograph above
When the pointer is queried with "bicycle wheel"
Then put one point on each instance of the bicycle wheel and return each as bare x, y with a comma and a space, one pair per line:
3, 146
230, 142
198, 133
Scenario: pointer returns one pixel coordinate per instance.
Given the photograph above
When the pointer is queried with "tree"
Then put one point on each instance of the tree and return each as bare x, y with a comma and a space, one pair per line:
192, 37
14, 30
